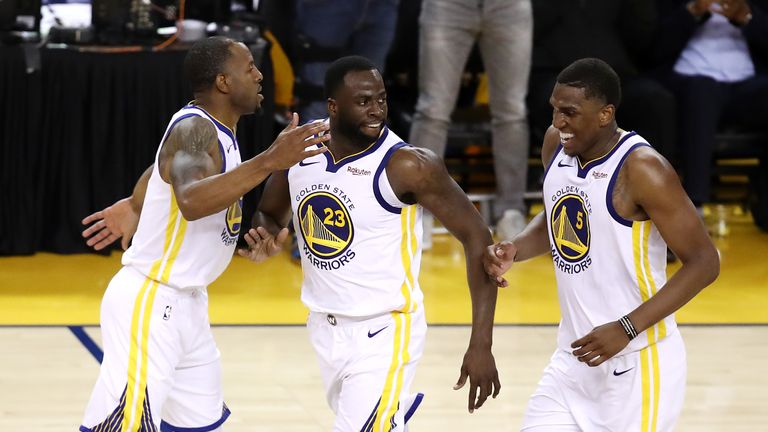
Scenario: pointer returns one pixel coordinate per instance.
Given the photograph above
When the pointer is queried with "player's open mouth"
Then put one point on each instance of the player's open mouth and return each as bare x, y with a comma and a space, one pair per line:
373, 125
565, 138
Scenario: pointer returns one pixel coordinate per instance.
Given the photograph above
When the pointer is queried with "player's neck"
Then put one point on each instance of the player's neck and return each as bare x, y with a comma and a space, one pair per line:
223, 115
603, 145
342, 145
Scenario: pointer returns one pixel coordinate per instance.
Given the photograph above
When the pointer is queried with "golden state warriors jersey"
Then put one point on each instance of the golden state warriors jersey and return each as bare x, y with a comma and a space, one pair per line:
360, 245
172, 250
605, 265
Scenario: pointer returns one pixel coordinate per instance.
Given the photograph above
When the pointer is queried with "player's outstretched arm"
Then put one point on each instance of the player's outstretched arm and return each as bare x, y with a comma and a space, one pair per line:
533, 240
418, 175
269, 233
655, 189
118, 220
191, 163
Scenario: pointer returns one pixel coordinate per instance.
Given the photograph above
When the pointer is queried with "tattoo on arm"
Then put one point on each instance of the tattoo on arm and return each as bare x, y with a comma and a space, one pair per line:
188, 152
195, 136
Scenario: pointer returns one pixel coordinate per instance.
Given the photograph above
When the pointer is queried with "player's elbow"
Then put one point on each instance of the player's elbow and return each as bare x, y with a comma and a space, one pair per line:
189, 210
713, 258
709, 264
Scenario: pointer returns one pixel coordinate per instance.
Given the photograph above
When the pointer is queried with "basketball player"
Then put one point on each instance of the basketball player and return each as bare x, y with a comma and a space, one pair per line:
161, 368
357, 213
612, 204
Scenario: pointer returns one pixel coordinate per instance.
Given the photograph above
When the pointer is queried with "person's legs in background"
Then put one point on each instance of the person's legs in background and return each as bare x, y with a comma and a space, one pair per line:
375, 31
447, 31
505, 44
324, 28
650, 109
745, 107
700, 103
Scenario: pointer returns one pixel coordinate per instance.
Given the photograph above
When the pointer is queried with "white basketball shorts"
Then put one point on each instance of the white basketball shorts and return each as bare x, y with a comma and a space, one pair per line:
368, 365
640, 391
161, 367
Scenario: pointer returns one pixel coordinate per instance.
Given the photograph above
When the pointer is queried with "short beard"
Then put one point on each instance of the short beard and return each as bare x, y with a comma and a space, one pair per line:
352, 131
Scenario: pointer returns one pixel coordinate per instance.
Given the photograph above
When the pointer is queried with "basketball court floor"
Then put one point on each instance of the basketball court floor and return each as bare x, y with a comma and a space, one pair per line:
49, 306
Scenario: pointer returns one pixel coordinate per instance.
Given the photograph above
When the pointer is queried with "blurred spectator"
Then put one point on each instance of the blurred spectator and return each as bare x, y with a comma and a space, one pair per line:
715, 60
503, 30
620, 32
329, 29
401, 74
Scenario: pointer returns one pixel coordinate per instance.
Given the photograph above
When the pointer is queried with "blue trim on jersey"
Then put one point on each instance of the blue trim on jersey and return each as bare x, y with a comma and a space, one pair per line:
165, 427
84, 429
552, 159
612, 183
223, 157
334, 166
379, 170
220, 126
87, 342
584, 170
175, 122
412, 409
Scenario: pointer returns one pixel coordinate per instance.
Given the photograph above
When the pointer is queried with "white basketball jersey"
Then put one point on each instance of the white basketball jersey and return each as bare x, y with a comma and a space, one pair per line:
605, 265
177, 252
360, 245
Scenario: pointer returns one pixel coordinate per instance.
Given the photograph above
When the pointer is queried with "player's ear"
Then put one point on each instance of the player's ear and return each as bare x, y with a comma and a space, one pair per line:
222, 83
607, 114
332, 106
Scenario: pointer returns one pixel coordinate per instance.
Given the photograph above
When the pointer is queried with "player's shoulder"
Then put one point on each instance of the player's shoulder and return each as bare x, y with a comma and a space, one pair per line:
645, 164
193, 132
411, 158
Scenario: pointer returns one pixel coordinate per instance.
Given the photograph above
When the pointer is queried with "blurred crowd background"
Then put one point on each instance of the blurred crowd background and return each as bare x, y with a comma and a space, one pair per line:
86, 89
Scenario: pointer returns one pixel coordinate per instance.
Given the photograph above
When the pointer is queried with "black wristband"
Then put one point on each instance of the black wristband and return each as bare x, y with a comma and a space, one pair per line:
629, 329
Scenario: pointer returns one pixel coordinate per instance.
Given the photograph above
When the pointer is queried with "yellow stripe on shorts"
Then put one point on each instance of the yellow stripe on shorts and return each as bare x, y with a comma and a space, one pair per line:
390, 396
142, 313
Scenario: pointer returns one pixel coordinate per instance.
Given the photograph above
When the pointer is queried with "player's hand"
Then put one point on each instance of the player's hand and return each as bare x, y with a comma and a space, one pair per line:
602, 343
497, 260
116, 221
734, 10
480, 367
293, 144
262, 244
698, 8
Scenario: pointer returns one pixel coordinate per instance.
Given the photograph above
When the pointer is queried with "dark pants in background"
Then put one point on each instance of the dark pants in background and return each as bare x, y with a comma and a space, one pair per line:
706, 106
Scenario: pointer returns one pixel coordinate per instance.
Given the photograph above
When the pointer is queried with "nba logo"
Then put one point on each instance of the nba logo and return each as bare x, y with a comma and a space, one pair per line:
167, 313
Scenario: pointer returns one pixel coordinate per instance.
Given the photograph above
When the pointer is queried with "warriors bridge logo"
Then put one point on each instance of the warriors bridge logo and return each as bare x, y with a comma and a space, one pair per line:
571, 234
327, 230
233, 220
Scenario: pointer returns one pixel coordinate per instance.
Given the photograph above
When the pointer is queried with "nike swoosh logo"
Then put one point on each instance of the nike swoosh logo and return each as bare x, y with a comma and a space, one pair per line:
615, 373
370, 335
561, 164
302, 163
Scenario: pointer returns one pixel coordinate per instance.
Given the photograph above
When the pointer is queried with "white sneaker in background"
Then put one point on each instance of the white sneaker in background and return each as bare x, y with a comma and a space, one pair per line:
510, 224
